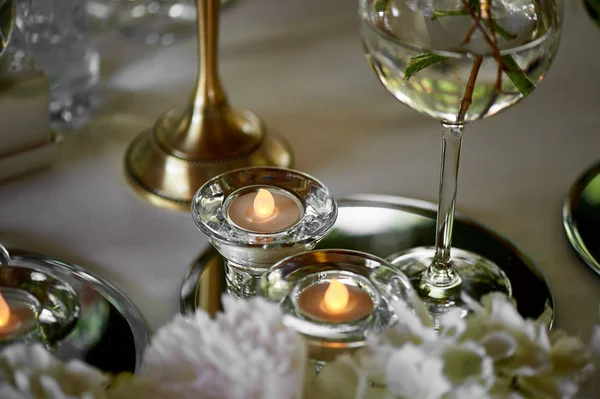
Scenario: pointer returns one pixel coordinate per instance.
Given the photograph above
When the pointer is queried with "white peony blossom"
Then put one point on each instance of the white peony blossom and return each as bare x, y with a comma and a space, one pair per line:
246, 352
493, 353
30, 372
412, 372
410, 327
538, 364
468, 365
452, 323
468, 390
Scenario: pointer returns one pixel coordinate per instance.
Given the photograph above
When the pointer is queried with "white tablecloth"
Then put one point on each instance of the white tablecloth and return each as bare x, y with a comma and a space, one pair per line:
300, 66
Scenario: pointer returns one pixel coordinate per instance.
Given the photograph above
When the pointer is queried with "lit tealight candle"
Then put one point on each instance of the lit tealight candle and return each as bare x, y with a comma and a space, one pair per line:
16, 318
267, 210
335, 302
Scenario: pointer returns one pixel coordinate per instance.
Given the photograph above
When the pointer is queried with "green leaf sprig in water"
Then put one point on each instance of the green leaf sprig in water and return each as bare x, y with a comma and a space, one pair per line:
480, 12
517, 76
421, 62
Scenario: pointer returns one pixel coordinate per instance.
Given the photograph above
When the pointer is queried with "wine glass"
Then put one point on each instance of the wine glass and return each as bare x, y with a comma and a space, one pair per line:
457, 61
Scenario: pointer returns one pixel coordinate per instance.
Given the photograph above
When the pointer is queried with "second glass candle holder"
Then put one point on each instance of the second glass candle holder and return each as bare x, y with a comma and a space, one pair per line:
336, 298
257, 216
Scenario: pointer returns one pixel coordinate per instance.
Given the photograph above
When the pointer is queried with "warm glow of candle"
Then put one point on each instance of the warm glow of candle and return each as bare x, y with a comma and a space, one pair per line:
264, 203
336, 297
265, 210
4, 312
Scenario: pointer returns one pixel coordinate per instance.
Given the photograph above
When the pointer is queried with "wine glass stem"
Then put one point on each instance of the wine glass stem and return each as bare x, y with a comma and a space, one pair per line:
440, 273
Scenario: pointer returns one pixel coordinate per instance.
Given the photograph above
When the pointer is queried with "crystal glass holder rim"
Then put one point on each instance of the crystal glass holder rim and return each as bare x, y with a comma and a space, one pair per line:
280, 282
215, 224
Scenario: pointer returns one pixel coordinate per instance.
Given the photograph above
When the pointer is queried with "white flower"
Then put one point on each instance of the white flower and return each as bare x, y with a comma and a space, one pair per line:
468, 365
518, 346
30, 372
469, 390
410, 327
538, 364
499, 345
452, 323
247, 352
414, 373
570, 364
344, 378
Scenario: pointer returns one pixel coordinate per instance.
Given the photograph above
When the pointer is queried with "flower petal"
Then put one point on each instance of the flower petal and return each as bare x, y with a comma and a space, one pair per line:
499, 344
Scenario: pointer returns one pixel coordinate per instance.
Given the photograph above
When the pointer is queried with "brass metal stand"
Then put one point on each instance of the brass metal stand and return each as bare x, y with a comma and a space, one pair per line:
166, 164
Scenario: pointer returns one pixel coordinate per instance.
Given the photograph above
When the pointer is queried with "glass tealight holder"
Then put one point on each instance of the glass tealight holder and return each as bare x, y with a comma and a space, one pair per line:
35, 307
373, 286
302, 212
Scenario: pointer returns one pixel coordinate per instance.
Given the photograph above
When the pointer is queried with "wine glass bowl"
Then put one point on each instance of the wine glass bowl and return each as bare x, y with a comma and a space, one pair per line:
457, 61
439, 34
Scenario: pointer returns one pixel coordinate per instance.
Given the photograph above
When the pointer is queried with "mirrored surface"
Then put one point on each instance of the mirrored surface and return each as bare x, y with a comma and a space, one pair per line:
109, 333
382, 226
581, 217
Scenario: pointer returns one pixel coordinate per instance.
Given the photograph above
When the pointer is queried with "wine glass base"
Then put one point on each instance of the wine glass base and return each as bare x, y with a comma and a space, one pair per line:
478, 276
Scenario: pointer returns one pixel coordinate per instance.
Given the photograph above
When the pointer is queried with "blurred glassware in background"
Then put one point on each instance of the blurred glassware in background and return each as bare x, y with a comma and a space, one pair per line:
157, 21
17, 58
57, 36
152, 22
7, 22
101, 14
593, 8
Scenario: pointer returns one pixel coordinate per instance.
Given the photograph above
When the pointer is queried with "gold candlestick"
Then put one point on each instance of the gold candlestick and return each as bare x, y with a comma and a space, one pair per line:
167, 163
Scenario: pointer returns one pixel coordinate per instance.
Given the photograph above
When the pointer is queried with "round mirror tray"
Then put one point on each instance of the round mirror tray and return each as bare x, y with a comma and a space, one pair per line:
383, 225
106, 330
581, 217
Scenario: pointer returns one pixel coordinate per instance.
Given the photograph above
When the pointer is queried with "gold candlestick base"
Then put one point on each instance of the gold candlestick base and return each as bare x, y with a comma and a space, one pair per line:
170, 182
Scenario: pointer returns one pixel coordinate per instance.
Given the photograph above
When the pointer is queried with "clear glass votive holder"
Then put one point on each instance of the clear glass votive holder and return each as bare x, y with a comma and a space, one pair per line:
330, 335
35, 307
251, 248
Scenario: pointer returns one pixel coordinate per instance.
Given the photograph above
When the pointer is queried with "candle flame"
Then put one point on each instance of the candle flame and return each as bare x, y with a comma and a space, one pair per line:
4, 312
264, 203
336, 297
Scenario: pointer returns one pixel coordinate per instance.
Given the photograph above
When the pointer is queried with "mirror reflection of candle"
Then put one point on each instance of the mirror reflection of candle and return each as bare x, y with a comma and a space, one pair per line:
266, 210
335, 302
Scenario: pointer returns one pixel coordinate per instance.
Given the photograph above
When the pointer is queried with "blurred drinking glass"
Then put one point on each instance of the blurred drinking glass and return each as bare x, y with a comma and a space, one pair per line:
57, 36
157, 21
152, 22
